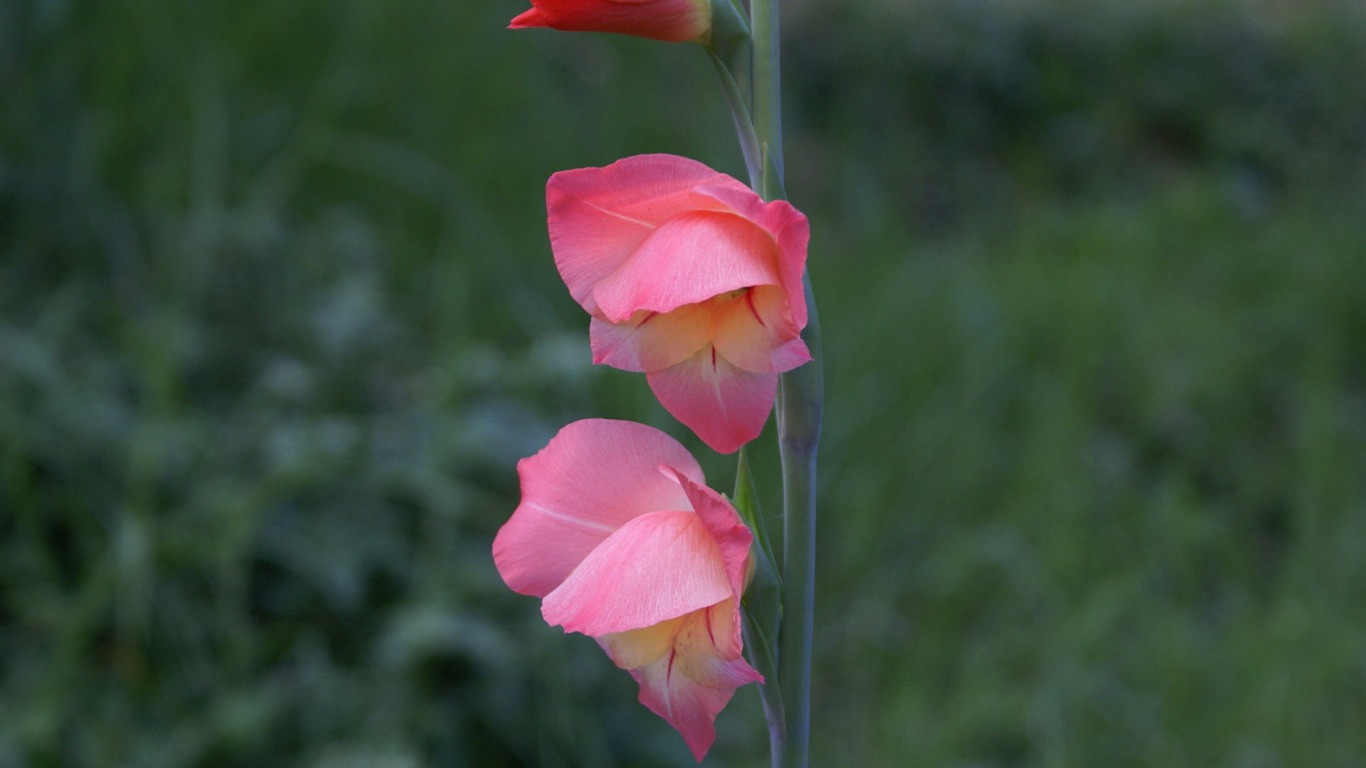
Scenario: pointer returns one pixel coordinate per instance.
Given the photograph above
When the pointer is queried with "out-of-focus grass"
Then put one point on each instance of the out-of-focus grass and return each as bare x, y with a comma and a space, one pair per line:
1120, 501
277, 318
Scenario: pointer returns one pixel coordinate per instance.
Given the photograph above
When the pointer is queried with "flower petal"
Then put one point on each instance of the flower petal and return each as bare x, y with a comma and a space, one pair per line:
691, 683
756, 332
788, 226
589, 480
668, 20
725, 405
529, 18
651, 341
641, 647
688, 259
598, 216
657, 566
726, 528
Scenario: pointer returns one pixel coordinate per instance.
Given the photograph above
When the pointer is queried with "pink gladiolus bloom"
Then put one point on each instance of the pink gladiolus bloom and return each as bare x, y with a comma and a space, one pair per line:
690, 278
619, 536
674, 21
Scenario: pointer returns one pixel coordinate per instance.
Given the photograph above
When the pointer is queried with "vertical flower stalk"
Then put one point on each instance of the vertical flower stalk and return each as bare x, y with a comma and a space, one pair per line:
800, 408
767, 94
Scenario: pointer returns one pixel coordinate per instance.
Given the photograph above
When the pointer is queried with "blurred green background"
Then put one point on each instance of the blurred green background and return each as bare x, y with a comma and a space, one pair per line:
278, 317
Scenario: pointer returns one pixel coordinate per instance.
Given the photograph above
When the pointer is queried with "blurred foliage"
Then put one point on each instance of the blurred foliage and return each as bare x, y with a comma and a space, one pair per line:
277, 319
964, 104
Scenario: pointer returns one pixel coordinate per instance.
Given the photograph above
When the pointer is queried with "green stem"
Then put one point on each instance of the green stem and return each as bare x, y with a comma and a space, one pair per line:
800, 408
786, 695
744, 124
762, 602
768, 108
799, 411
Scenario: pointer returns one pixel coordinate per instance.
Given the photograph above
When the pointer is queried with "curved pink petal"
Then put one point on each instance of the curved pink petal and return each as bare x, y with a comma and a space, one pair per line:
725, 405
788, 226
756, 332
692, 681
651, 341
688, 259
589, 480
656, 567
733, 538
597, 216
752, 329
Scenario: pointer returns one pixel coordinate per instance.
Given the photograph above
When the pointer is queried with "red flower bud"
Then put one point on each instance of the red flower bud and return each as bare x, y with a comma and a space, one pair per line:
674, 21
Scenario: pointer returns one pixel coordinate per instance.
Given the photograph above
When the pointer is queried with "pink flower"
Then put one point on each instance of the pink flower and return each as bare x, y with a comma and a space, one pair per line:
673, 21
618, 535
690, 278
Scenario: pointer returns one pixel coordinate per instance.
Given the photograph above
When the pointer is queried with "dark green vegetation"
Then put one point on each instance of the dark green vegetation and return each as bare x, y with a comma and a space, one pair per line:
277, 318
